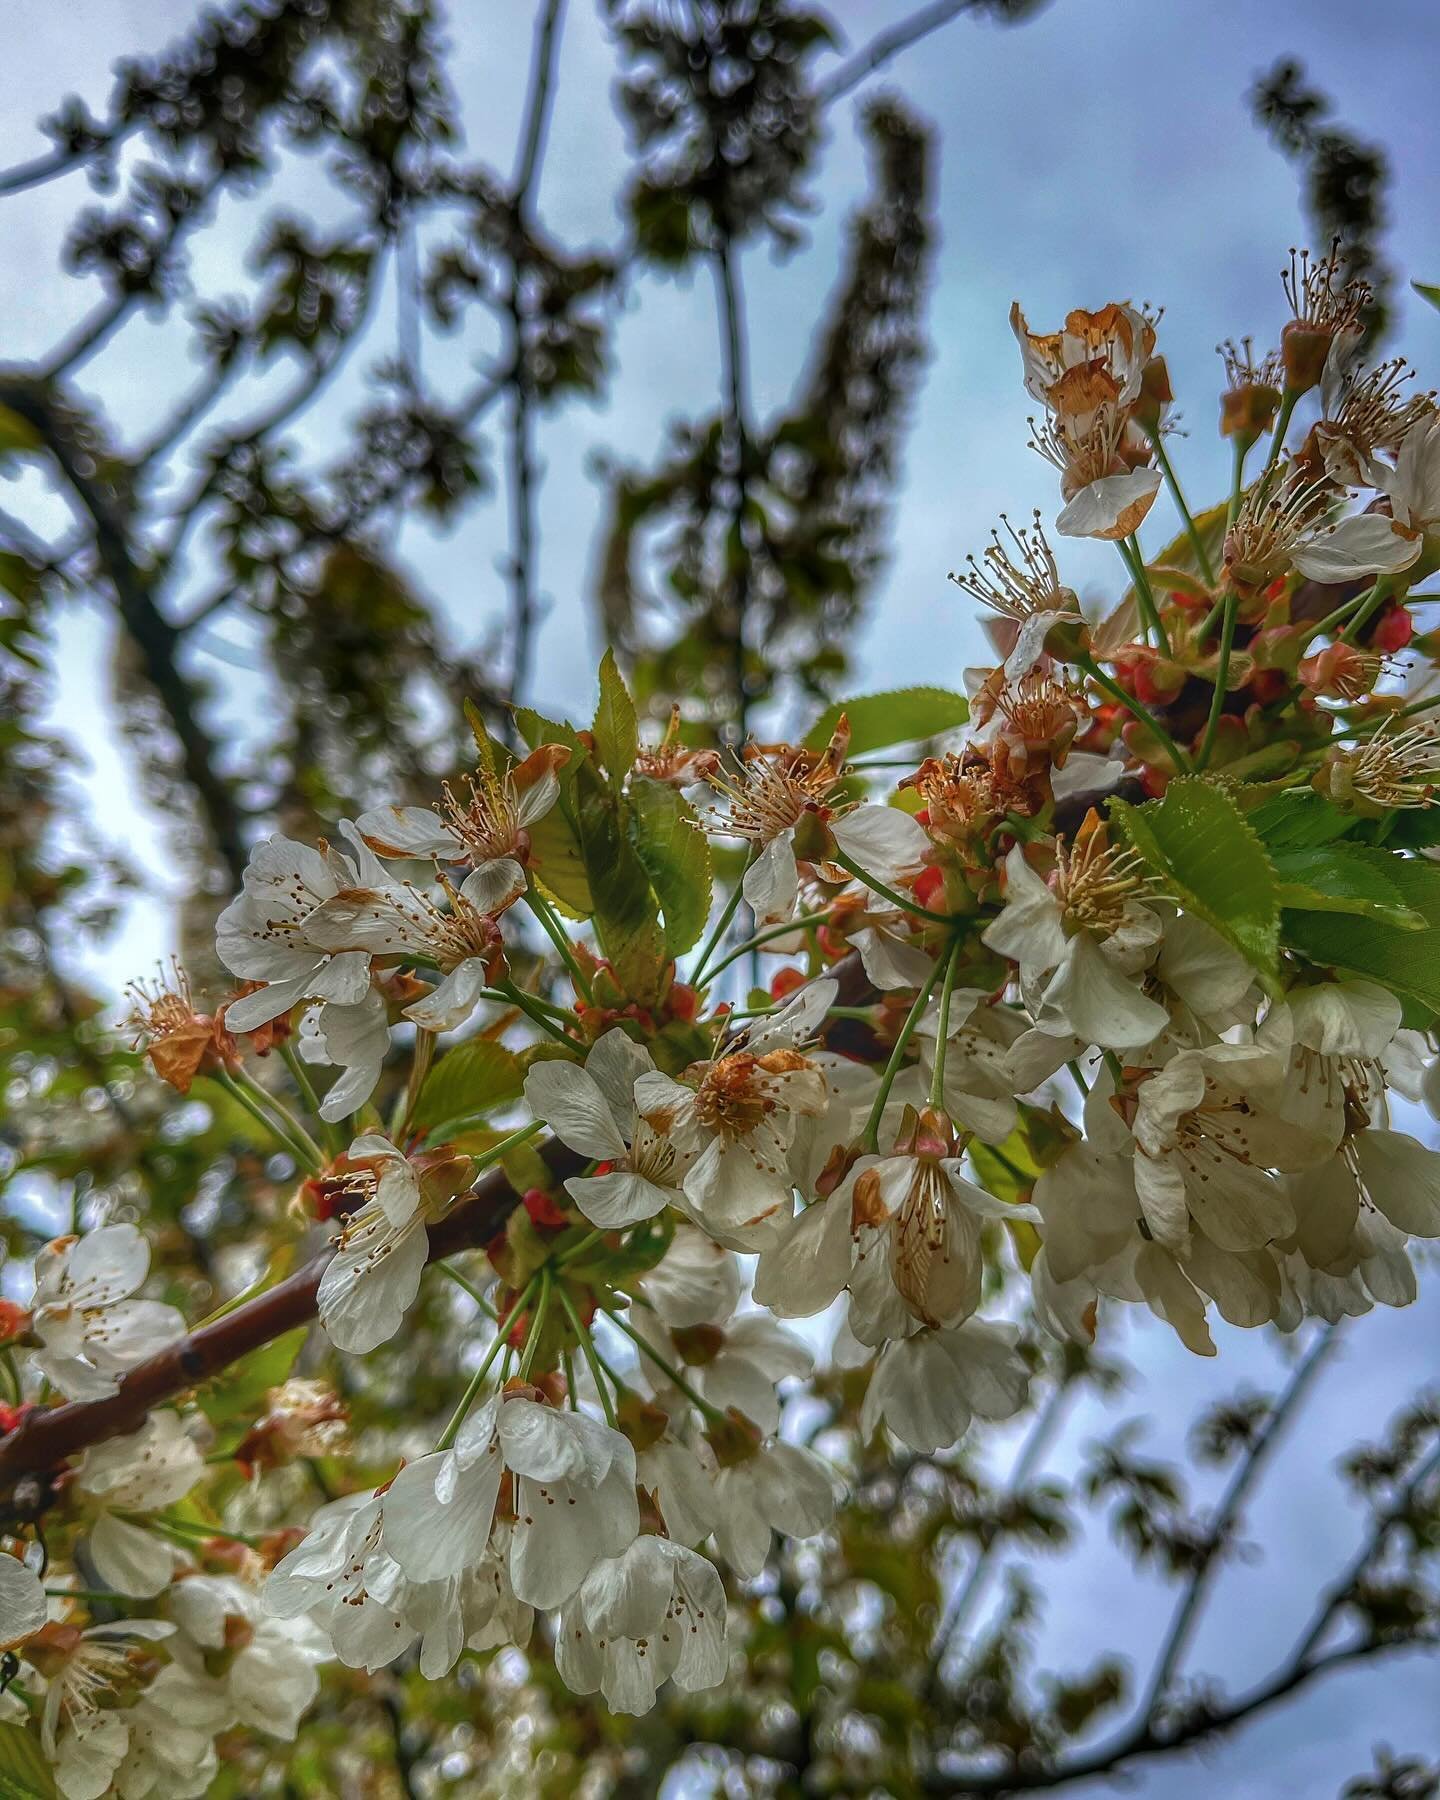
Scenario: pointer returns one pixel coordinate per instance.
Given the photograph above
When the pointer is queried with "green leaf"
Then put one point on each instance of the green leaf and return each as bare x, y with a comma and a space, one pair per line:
237, 1397
24, 1772
626, 916
675, 854
1299, 821
1427, 290
1343, 878
484, 744
467, 1079
1211, 862
1406, 962
555, 849
616, 728
902, 717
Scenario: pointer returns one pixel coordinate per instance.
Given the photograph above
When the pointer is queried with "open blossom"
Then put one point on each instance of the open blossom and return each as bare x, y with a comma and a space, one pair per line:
1088, 376
1022, 585
89, 1674
90, 1326
593, 1110
140, 1471
261, 934
380, 1255
654, 1614
461, 936
269, 1680
736, 1119
1079, 941
485, 825
1284, 523
354, 1039
572, 1498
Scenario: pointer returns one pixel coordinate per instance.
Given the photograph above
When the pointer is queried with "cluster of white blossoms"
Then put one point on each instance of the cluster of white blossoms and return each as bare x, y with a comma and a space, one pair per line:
1107, 1002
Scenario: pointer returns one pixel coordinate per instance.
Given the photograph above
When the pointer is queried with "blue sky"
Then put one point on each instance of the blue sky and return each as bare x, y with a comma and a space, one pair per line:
1103, 151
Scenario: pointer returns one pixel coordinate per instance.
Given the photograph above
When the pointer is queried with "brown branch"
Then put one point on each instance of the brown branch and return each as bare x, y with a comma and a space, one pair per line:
45, 1439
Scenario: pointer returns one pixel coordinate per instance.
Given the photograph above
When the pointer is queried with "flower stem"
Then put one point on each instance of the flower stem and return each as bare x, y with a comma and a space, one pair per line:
798, 923
300, 1075
510, 992
1129, 549
420, 1061
897, 1055
503, 1146
1277, 435
848, 863
597, 1373
537, 1324
1366, 609
1222, 677
540, 906
942, 1038
578, 1249
1077, 1076
309, 1157
1237, 483
1202, 555
477, 1380
468, 1287
665, 1366
1326, 626
1137, 708
722, 925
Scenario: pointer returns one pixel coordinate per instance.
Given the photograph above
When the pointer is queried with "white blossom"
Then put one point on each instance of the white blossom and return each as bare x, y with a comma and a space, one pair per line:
90, 1326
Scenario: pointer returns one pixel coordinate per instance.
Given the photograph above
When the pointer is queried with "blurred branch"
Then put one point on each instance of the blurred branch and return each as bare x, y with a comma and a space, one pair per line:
156, 639
524, 604
736, 426
1242, 1483
886, 45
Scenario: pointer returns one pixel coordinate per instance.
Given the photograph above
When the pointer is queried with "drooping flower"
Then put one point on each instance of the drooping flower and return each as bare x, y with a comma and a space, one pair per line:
90, 1326
593, 1110
261, 1669
655, 1613
573, 1498
928, 1388
769, 1487
180, 1042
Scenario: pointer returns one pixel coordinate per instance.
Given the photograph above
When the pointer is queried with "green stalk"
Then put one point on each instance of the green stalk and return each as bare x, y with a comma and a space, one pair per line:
558, 936
537, 1324
1078, 1078
513, 994
1237, 483
468, 1287
420, 1061
597, 1373
1222, 677
837, 855
1197, 543
1277, 436
1129, 549
871, 1139
665, 1366
307, 1155
488, 1158
798, 923
732, 906
1326, 626
1368, 607
477, 1380
300, 1075
1136, 707
942, 1040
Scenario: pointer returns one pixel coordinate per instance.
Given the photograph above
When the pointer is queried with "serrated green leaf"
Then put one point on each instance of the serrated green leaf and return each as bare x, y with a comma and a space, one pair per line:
466, 1080
1427, 290
1211, 862
626, 916
675, 854
233, 1401
616, 728
1302, 820
1406, 962
902, 717
556, 854
24, 1772
1343, 878
484, 744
